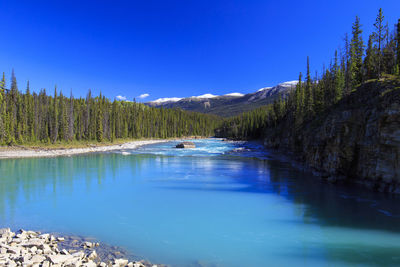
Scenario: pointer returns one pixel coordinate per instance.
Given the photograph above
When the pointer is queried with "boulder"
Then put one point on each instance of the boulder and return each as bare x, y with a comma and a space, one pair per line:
37, 258
121, 262
186, 145
5, 232
88, 244
57, 259
92, 255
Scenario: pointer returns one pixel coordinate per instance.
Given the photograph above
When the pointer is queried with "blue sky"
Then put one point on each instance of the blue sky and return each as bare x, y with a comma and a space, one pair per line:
174, 48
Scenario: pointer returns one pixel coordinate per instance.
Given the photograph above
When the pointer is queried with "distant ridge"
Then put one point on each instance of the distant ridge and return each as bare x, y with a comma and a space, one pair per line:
225, 105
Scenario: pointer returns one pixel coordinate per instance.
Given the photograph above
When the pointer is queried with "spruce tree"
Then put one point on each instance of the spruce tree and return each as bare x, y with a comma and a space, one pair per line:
55, 117
99, 121
370, 60
299, 95
309, 92
347, 61
379, 36
356, 53
27, 113
2, 109
389, 53
398, 47
71, 118
339, 81
12, 111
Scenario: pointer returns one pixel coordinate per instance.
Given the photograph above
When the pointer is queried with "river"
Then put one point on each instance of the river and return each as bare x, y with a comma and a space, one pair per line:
220, 204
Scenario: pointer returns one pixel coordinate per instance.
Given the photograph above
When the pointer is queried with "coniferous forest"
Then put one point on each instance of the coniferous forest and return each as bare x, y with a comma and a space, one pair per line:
41, 118
352, 66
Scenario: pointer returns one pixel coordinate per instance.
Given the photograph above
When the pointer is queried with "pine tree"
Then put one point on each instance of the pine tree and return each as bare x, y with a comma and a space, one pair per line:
308, 91
27, 113
71, 118
99, 122
87, 115
55, 117
21, 119
12, 111
356, 53
2, 110
379, 36
347, 61
370, 60
389, 53
339, 81
398, 46
63, 119
299, 96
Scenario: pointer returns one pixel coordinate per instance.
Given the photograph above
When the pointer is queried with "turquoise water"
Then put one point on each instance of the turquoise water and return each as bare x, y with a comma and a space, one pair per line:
221, 204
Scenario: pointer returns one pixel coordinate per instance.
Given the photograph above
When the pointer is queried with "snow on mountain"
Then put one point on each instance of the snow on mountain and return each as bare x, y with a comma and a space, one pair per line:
289, 83
166, 99
269, 91
259, 95
205, 96
264, 88
235, 94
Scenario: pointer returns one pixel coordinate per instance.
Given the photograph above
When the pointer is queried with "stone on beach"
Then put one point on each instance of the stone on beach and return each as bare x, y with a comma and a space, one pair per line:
33, 249
121, 262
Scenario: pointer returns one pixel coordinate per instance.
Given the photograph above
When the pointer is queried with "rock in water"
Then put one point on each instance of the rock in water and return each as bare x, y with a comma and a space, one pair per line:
186, 145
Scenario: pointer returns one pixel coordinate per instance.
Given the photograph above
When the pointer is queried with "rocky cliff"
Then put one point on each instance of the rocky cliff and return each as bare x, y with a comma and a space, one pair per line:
356, 140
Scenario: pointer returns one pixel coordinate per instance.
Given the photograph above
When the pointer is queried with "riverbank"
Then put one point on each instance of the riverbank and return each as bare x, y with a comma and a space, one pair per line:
31, 248
29, 152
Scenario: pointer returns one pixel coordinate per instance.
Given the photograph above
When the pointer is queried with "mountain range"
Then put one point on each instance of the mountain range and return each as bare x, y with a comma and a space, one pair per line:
226, 105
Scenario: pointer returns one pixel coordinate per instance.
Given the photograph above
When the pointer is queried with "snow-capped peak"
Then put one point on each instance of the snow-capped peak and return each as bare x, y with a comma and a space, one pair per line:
205, 96
235, 94
289, 83
262, 89
166, 99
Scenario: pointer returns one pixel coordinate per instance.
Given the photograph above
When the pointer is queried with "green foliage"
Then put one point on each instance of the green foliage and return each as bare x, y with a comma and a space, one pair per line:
31, 117
371, 60
398, 48
379, 35
309, 95
356, 53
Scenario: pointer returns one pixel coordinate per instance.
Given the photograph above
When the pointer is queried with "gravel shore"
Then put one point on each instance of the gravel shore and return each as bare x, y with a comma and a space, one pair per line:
42, 152
33, 249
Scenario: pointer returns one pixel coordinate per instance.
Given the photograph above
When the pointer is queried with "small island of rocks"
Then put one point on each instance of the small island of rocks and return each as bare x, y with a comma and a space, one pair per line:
186, 145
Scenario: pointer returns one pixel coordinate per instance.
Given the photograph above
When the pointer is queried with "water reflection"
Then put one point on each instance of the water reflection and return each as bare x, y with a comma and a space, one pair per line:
230, 203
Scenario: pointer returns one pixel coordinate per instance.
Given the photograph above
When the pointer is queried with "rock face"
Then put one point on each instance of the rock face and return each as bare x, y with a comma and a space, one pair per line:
357, 140
186, 145
29, 248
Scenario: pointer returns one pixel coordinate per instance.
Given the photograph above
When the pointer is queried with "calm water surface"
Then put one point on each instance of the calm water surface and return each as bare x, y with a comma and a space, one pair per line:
221, 204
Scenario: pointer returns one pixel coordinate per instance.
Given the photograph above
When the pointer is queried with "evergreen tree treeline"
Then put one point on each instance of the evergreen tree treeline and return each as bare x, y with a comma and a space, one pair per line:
32, 118
313, 96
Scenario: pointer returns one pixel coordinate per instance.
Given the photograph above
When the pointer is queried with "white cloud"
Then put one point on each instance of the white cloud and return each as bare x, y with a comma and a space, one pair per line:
142, 96
120, 97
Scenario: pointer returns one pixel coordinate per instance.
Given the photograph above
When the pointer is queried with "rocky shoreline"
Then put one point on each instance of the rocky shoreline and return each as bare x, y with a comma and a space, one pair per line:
43, 152
34, 249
